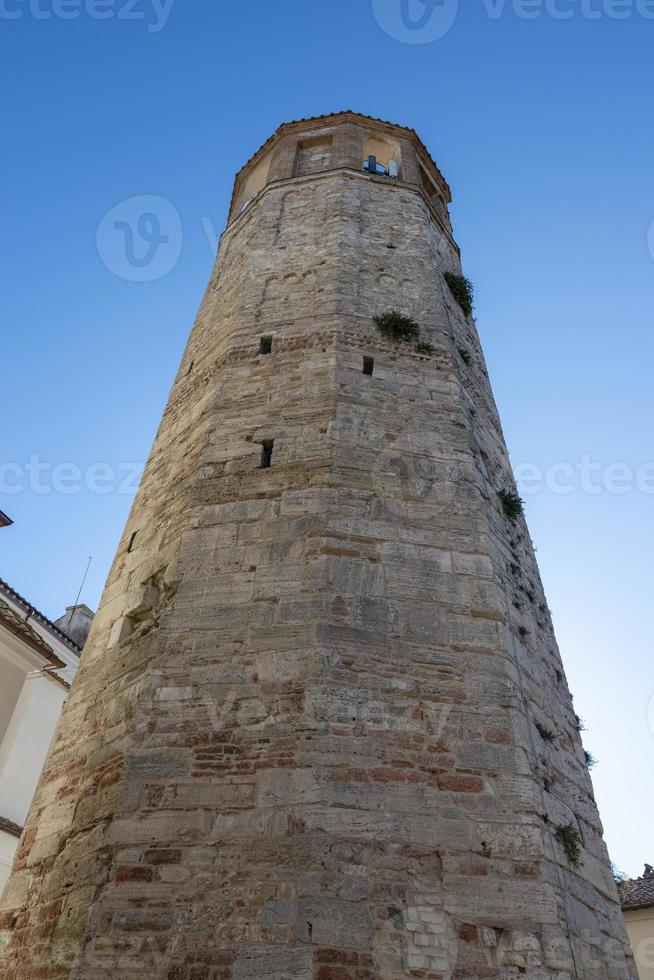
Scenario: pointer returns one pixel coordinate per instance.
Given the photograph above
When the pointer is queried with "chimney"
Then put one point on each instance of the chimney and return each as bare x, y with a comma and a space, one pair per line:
76, 623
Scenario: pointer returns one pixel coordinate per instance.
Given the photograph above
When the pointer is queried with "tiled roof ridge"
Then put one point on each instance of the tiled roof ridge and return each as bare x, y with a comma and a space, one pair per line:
28, 607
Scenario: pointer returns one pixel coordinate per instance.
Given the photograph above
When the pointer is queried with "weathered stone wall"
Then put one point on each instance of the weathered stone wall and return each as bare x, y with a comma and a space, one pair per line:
306, 739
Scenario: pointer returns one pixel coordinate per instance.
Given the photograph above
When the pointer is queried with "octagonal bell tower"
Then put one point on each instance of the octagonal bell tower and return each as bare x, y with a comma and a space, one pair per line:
321, 729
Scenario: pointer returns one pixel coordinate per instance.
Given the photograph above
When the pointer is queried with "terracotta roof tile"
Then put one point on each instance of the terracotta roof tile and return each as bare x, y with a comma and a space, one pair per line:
638, 893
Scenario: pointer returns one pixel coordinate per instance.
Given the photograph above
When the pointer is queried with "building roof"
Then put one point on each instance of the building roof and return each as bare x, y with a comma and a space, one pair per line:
359, 115
11, 620
5, 520
10, 827
34, 613
638, 893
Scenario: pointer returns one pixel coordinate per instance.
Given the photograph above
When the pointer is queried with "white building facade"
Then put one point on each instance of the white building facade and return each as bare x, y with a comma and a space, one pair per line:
37, 664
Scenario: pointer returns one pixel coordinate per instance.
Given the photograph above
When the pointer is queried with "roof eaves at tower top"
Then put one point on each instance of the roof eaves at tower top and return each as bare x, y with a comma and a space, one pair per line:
343, 114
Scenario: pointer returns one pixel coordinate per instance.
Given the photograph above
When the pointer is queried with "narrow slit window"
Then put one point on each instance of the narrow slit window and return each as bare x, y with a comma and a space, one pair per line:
265, 345
266, 453
368, 366
131, 542
190, 368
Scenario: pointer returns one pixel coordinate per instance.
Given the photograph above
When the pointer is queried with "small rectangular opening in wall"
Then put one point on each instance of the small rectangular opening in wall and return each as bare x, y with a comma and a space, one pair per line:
368, 366
132, 539
266, 453
190, 368
265, 345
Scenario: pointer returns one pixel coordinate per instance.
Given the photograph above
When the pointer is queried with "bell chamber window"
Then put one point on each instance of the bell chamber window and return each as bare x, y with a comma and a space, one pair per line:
382, 156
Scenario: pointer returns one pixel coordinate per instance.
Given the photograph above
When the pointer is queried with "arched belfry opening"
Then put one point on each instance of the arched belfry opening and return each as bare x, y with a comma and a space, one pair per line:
386, 153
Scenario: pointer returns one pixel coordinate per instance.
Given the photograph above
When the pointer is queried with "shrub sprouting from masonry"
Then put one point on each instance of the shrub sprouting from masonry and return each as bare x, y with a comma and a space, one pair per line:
512, 504
425, 349
591, 761
570, 840
465, 356
462, 290
394, 326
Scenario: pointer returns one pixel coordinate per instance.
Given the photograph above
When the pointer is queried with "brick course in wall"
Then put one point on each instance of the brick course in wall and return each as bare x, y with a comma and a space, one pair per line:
305, 740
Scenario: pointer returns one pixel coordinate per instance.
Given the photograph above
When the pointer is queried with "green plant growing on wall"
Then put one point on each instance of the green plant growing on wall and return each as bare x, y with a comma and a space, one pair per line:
512, 504
394, 326
591, 761
465, 355
579, 724
425, 349
570, 840
462, 290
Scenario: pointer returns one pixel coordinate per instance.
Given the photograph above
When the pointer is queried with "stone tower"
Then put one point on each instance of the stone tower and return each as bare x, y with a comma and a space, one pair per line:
321, 728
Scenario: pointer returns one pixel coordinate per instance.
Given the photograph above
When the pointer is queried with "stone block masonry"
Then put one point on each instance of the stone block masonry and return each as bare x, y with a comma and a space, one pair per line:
305, 741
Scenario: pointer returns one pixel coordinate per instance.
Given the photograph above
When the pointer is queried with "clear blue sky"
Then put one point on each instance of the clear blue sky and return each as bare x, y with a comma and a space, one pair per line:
543, 128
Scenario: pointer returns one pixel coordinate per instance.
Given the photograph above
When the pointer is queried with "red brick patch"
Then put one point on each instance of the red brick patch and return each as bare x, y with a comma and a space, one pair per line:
498, 736
461, 784
473, 869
